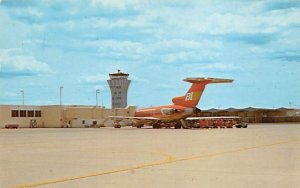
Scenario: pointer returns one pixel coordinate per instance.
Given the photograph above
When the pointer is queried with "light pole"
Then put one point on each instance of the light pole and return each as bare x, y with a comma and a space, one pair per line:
22, 92
60, 94
97, 92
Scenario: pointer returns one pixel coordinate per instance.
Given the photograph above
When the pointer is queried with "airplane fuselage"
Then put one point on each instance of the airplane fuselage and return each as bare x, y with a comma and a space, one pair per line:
168, 113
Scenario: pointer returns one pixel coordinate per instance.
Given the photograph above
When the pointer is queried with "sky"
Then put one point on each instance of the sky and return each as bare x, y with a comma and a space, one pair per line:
45, 44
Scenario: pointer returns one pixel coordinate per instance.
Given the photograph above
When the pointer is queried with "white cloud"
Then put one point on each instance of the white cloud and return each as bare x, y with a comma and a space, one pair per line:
119, 4
14, 61
166, 50
178, 56
219, 23
118, 49
142, 21
211, 67
122, 4
93, 79
219, 66
139, 79
34, 12
189, 56
178, 44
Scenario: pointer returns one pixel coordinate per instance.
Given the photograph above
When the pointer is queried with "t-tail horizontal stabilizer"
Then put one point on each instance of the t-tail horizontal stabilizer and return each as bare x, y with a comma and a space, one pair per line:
207, 80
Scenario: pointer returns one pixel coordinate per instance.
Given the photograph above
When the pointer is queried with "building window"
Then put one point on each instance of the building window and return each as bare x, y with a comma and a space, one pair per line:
30, 113
14, 113
83, 121
22, 113
38, 113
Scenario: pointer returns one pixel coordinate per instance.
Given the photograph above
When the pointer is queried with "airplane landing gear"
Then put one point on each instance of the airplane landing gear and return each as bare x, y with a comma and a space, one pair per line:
117, 125
156, 126
139, 126
185, 125
177, 125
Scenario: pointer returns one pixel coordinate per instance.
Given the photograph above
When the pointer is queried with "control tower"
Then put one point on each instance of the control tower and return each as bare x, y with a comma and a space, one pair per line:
118, 84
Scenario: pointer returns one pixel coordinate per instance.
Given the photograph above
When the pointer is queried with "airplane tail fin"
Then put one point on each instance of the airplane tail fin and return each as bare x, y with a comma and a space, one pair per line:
192, 97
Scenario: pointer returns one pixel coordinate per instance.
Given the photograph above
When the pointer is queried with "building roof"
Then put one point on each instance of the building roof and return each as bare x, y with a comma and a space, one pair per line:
119, 73
248, 109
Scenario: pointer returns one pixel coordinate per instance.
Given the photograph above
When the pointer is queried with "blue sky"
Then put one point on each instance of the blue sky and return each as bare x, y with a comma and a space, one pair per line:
45, 44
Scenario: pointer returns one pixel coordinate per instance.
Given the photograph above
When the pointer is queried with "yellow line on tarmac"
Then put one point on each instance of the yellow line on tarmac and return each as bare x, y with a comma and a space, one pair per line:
168, 159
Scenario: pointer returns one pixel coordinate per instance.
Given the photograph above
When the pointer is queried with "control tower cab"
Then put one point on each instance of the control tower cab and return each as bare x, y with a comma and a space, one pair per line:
118, 84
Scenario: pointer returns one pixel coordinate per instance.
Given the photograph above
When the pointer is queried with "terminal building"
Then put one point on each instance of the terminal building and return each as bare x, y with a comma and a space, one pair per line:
256, 115
59, 116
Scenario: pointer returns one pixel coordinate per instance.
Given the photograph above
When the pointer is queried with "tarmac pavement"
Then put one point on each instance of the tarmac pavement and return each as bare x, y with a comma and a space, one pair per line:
263, 155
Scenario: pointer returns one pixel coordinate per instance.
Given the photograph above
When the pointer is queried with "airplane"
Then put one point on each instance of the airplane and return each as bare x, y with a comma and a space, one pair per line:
176, 114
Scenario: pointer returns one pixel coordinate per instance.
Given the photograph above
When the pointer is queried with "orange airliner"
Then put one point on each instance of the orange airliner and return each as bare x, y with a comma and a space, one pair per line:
175, 115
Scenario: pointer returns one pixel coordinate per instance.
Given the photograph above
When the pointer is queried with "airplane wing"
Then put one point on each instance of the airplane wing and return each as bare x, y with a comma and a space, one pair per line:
137, 118
209, 118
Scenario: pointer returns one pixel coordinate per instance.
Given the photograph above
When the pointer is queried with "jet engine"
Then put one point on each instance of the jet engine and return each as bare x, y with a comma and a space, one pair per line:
168, 111
189, 110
